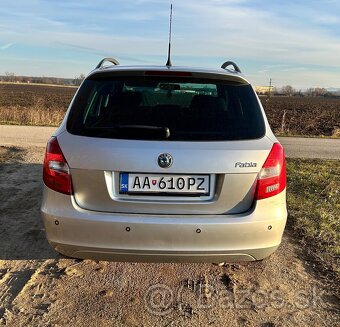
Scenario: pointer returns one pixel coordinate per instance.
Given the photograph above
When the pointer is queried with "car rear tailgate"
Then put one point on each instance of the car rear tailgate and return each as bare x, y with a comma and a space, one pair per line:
97, 163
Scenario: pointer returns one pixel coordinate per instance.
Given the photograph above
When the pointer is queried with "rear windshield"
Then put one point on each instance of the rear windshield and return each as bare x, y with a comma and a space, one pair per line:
152, 108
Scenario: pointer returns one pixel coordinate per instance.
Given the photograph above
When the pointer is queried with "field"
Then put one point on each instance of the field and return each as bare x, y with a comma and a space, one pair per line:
45, 105
26, 104
310, 116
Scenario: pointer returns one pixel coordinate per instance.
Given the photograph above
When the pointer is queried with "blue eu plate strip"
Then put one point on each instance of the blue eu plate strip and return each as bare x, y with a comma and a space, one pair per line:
124, 182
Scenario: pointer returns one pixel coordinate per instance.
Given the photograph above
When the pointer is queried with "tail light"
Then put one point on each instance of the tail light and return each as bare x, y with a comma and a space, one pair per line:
272, 177
56, 172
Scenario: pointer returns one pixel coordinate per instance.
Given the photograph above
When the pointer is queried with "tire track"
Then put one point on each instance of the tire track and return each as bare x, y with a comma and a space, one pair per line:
10, 286
3, 272
23, 294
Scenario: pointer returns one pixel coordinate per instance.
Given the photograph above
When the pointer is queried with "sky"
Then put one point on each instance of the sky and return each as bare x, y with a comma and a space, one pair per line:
292, 42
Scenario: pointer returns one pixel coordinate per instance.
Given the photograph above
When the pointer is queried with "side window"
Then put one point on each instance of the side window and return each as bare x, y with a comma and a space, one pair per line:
91, 105
98, 102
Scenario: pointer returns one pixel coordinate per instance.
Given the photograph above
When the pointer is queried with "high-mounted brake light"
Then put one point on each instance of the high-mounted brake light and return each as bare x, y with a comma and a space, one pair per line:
167, 73
271, 179
56, 172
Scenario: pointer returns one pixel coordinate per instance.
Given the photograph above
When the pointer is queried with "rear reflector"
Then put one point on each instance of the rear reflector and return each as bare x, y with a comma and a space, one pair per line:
167, 73
56, 172
272, 177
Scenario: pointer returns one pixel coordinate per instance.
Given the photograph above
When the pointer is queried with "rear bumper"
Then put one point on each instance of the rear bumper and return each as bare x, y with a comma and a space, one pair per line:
80, 233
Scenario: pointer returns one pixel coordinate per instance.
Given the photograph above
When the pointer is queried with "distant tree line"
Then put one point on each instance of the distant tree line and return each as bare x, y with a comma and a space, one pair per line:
11, 77
288, 90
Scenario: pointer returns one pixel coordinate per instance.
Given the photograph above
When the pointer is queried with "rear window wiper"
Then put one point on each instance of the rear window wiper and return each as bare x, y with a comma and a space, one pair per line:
134, 130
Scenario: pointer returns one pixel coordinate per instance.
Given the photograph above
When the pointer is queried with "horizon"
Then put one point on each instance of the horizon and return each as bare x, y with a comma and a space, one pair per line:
64, 39
75, 84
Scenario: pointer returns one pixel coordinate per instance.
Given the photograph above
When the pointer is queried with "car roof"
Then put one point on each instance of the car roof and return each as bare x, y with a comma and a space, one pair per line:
196, 72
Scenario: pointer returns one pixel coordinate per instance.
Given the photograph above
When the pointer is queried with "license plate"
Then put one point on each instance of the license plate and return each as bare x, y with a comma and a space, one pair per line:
164, 184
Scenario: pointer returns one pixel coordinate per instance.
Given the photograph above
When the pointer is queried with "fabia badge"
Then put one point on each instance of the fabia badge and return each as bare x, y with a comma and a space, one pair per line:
165, 160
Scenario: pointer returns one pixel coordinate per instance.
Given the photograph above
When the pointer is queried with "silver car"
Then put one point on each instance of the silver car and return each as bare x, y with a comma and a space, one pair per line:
165, 164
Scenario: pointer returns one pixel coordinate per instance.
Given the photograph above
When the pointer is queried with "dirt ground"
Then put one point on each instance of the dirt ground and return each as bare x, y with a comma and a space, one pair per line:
40, 288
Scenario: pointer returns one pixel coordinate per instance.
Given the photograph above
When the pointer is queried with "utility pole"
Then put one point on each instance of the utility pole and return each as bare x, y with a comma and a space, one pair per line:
270, 87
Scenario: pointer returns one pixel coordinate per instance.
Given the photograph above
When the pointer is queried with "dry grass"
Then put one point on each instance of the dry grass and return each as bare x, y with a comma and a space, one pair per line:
314, 205
31, 116
336, 133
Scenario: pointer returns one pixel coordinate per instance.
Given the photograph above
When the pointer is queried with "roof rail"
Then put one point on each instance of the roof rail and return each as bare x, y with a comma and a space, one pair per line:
111, 60
231, 63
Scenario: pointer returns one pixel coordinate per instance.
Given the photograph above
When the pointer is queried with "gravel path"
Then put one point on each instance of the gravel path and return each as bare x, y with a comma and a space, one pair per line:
14, 135
319, 148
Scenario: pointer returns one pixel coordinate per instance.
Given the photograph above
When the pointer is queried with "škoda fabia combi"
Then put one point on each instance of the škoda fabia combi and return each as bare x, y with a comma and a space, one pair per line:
165, 164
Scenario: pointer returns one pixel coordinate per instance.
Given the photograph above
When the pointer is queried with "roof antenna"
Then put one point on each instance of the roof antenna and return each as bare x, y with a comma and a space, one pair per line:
168, 63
